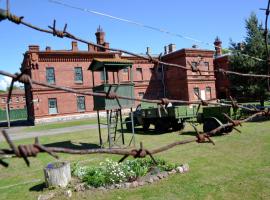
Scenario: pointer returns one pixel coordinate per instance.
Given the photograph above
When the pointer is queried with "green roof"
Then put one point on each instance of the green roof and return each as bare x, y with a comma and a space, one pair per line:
112, 64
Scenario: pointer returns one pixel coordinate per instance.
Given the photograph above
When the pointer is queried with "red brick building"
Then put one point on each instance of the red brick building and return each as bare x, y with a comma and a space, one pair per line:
17, 100
69, 68
183, 84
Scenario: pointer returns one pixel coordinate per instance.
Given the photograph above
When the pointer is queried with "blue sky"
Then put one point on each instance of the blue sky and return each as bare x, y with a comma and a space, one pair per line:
203, 20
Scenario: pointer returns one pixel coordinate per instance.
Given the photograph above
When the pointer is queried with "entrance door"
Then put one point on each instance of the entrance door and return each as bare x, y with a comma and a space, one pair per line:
52, 106
203, 94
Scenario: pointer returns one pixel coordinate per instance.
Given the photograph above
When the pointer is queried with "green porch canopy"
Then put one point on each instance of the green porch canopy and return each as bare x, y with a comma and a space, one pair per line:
112, 64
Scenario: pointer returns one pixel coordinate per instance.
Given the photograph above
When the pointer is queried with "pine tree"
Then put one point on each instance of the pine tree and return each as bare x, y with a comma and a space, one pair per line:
253, 46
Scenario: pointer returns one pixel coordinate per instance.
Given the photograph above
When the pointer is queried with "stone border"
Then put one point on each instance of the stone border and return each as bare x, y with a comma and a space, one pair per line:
148, 179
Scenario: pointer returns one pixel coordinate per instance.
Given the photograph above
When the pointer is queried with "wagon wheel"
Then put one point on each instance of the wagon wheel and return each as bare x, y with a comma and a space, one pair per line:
178, 126
146, 125
210, 124
161, 126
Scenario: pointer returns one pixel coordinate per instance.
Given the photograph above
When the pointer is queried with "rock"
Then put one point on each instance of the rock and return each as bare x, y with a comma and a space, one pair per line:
165, 174
102, 188
117, 186
150, 180
135, 184
68, 193
46, 196
155, 178
185, 167
180, 169
88, 187
127, 185
173, 171
160, 176
80, 187
141, 183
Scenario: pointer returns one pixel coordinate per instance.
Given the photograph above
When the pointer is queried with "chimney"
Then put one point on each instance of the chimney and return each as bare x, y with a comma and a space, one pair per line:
218, 47
148, 50
100, 36
195, 46
91, 48
165, 50
172, 48
74, 46
107, 45
33, 48
48, 48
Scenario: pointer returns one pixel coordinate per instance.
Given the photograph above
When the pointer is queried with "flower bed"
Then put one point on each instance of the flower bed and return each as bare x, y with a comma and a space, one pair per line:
111, 174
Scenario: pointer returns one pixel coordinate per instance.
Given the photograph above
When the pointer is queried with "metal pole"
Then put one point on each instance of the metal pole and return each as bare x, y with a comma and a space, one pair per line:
121, 122
8, 116
99, 129
132, 125
108, 128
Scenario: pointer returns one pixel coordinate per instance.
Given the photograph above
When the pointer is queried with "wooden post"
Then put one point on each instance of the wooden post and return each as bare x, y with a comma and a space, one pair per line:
57, 174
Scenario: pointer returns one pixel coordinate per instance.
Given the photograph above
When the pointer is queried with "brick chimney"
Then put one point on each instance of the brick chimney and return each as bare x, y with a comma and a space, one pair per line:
33, 48
166, 50
148, 50
48, 48
218, 47
74, 46
172, 48
100, 35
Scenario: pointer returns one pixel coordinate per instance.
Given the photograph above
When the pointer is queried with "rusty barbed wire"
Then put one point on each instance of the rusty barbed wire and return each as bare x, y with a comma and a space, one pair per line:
24, 78
146, 26
32, 150
4, 14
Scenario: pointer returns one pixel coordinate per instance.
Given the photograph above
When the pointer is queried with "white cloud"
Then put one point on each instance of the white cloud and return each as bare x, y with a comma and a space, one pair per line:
5, 82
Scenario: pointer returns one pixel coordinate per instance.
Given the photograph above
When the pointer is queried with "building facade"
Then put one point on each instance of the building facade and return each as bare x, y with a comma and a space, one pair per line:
183, 84
17, 100
69, 68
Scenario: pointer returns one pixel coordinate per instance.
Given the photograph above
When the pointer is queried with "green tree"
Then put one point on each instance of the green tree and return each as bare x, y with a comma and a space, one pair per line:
253, 46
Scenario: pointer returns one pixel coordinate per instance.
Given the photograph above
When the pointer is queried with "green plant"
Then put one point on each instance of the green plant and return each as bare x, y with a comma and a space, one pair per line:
95, 177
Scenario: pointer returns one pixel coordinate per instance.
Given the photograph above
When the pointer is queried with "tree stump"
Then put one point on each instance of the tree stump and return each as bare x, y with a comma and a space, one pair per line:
57, 174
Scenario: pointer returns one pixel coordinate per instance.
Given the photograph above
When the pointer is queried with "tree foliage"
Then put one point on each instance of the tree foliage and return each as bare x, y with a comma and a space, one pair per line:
254, 46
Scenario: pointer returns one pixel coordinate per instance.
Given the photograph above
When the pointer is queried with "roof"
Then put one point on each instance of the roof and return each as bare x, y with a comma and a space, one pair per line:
111, 64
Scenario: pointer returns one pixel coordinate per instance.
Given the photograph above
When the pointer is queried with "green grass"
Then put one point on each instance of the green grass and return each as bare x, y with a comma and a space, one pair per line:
237, 167
42, 127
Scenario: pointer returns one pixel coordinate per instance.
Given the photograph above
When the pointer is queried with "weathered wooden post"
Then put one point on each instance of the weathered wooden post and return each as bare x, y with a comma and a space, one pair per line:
57, 174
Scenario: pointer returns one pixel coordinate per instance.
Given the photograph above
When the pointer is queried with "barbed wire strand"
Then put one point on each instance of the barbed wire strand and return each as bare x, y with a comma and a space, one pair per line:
146, 26
19, 20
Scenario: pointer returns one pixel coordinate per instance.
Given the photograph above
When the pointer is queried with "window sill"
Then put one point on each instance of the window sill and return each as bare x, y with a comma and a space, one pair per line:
78, 83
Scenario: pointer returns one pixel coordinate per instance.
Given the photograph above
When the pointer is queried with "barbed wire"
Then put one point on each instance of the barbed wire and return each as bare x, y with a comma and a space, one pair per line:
64, 33
32, 150
146, 26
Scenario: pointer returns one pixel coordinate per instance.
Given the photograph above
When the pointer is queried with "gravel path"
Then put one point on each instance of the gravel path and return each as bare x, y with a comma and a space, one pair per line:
17, 133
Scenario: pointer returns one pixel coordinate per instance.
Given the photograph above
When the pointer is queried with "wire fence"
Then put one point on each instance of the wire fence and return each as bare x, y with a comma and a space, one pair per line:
32, 150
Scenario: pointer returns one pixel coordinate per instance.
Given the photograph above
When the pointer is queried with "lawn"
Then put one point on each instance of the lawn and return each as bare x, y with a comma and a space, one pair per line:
56, 125
237, 167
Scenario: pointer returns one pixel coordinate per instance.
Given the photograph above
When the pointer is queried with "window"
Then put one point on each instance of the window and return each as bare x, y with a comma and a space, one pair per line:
206, 64
3, 100
125, 70
17, 99
141, 94
81, 103
196, 90
208, 93
139, 74
194, 65
50, 76
78, 75
23, 99
52, 106
103, 76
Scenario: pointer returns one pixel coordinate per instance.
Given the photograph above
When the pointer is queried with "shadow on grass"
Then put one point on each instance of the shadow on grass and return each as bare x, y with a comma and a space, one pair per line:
16, 123
38, 187
72, 145
140, 131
